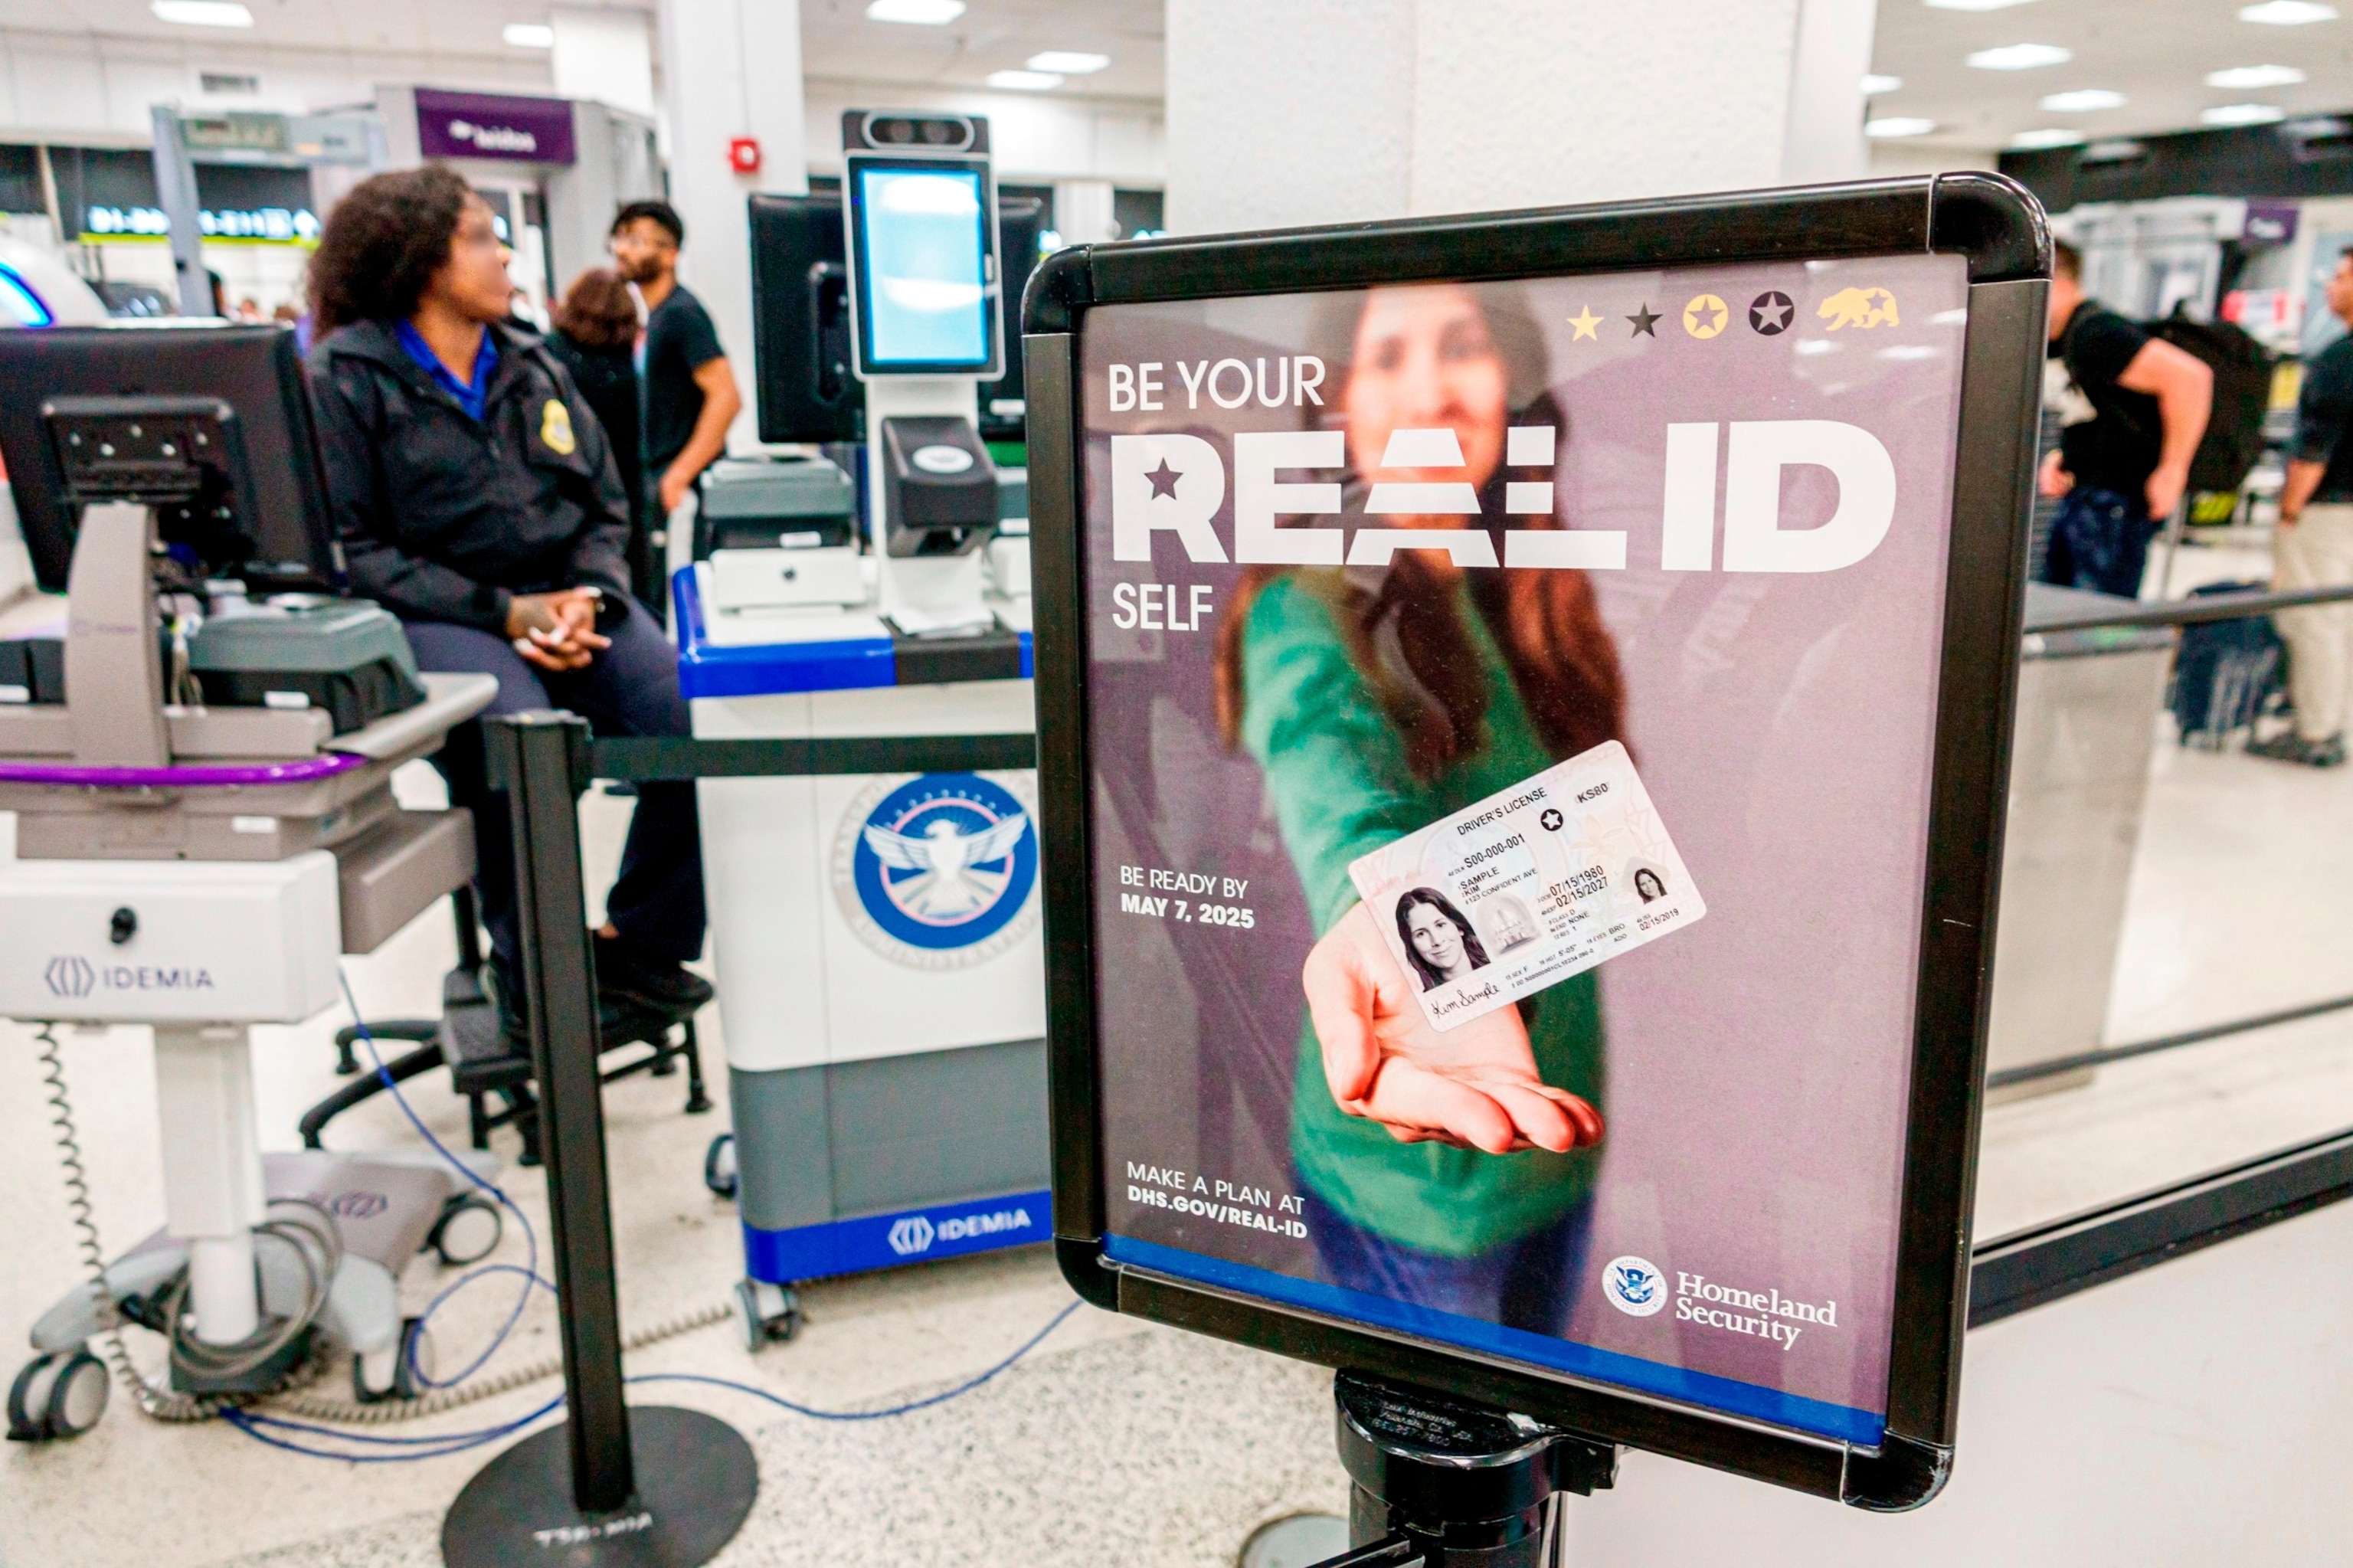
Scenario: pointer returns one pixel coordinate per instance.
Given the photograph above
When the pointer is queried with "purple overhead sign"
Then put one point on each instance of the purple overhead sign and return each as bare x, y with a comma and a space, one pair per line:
493, 125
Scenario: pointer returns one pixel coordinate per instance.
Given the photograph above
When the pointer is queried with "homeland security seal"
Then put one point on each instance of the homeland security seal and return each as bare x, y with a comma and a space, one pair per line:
938, 871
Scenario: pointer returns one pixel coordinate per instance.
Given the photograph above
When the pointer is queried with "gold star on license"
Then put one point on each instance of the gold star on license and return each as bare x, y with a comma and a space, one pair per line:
1585, 322
1704, 316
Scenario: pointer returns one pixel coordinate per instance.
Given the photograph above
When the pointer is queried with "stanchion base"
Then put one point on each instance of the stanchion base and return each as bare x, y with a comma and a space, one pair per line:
696, 1480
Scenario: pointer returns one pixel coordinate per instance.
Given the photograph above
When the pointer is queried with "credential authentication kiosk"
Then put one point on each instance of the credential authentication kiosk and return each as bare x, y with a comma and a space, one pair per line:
879, 966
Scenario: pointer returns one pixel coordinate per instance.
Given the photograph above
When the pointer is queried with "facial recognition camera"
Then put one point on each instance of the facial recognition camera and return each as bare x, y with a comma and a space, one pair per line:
892, 130
927, 327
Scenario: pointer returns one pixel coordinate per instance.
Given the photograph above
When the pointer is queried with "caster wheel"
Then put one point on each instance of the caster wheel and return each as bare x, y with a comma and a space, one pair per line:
61, 1395
413, 1379
719, 1166
765, 1314
468, 1230
397, 1372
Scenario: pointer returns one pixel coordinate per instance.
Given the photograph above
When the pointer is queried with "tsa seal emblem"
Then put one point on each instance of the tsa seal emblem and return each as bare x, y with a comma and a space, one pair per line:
938, 871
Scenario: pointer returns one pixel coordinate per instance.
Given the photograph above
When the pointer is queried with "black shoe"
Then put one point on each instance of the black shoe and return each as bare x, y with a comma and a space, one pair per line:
2290, 746
626, 974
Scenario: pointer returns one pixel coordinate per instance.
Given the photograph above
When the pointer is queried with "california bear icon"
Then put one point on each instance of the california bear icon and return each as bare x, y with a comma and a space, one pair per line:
1859, 308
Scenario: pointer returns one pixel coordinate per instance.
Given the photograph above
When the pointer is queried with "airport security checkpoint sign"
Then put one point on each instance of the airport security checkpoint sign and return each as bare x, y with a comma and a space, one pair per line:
1511, 714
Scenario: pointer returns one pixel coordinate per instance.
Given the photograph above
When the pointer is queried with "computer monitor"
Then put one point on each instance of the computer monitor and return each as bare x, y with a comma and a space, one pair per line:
210, 425
1020, 221
800, 318
925, 289
800, 322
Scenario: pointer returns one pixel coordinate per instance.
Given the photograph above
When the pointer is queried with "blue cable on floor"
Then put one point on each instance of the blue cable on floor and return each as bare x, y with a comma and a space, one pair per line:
262, 1428
530, 1269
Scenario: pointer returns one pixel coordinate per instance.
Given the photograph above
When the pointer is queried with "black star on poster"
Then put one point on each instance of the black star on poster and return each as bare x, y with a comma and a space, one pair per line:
1770, 312
1164, 479
1645, 320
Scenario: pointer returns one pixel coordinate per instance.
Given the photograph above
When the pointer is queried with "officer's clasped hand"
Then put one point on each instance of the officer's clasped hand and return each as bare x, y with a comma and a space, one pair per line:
557, 630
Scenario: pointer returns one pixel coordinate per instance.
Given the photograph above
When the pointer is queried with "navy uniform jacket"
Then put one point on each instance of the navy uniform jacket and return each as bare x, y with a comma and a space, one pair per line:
446, 518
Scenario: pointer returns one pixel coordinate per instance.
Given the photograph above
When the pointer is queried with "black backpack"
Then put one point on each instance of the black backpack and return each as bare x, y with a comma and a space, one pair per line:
2226, 672
2242, 395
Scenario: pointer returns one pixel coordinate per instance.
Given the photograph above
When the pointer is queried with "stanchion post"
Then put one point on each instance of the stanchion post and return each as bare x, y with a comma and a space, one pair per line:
698, 1480
540, 759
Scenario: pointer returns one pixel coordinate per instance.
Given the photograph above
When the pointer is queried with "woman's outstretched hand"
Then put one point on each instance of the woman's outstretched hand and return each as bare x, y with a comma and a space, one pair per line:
1475, 1086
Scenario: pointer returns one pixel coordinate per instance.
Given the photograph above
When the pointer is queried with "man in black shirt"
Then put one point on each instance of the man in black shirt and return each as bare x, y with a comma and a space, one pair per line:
690, 393
2132, 410
2314, 547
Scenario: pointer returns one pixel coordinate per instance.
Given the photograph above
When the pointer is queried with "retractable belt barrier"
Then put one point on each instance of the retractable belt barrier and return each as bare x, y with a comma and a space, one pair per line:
2206, 610
668, 759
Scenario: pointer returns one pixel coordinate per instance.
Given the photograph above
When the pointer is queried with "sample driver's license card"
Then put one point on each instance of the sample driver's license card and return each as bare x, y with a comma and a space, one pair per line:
1529, 886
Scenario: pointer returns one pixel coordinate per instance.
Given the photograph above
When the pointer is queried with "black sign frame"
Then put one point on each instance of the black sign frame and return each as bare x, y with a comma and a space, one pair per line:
2000, 231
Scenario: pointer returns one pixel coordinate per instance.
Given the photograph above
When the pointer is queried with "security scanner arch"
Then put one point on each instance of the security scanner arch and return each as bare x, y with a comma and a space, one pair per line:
1494, 663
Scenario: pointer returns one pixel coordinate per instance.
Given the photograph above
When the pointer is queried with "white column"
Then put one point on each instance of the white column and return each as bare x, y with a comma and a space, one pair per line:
1082, 211
1332, 111
213, 1194
1826, 103
730, 69
604, 56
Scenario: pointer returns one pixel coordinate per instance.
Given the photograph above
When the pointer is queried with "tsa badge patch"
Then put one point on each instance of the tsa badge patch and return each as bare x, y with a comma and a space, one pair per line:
939, 871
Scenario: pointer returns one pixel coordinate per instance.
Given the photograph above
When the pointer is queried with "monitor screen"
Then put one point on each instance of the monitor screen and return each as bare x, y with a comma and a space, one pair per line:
923, 267
275, 527
1511, 713
800, 322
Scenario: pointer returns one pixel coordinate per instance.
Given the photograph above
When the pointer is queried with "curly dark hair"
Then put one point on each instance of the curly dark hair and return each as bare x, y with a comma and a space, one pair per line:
597, 311
383, 244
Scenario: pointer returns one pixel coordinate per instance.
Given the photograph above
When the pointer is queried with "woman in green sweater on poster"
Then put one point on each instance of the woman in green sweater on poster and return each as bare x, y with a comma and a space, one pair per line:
1452, 1171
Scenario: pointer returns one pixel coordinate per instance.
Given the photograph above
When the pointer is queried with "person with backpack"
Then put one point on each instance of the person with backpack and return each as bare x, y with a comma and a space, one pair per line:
2313, 548
2133, 410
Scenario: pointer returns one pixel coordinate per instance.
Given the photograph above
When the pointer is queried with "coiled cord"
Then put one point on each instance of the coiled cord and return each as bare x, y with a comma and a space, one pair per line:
309, 1232
350, 1413
160, 1404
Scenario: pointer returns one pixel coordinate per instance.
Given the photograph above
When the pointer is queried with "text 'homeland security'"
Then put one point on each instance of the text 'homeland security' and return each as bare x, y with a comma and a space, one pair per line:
1767, 1314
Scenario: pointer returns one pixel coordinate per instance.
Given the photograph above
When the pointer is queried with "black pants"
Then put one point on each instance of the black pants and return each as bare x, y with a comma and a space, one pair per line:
631, 688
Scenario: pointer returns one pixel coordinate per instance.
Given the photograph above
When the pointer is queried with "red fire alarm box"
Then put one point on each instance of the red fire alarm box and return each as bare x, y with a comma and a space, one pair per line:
744, 155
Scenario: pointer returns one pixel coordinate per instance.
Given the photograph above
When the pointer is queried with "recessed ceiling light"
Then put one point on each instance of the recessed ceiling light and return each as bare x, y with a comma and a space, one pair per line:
2287, 13
1875, 84
1971, 5
2021, 56
1892, 125
2254, 76
2049, 136
2243, 114
202, 13
1068, 62
1025, 80
919, 13
530, 34
2083, 101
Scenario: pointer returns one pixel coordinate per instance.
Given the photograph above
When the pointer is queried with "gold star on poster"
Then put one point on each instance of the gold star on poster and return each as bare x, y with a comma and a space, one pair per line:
1585, 321
1704, 316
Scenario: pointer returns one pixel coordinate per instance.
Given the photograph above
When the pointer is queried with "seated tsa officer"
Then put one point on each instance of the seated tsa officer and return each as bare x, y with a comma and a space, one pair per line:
476, 499
1451, 1171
